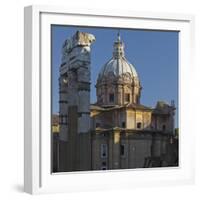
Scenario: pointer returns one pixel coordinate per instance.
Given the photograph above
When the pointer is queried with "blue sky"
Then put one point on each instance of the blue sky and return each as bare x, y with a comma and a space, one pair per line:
154, 55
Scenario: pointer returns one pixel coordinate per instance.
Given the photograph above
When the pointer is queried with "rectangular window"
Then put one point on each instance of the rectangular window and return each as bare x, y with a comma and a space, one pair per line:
64, 119
127, 97
97, 125
122, 150
103, 165
111, 97
123, 125
139, 125
104, 151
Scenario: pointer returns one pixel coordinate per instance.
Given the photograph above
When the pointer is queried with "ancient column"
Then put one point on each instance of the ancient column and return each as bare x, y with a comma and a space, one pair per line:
74, 103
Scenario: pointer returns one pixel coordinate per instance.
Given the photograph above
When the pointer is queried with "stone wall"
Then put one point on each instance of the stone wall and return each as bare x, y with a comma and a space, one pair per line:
140, 150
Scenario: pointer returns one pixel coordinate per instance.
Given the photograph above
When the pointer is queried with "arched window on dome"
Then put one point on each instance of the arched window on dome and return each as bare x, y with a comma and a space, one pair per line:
127, 97
111, 97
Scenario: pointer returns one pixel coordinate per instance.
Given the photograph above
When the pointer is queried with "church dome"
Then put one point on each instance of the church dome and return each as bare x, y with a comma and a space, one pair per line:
117, 67
118, 82
118, 64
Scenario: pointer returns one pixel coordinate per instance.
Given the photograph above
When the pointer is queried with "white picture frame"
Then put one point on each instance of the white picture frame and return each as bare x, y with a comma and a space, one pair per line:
37, 137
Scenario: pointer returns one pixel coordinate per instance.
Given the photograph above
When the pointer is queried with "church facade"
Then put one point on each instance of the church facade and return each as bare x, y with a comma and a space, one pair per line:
117, 132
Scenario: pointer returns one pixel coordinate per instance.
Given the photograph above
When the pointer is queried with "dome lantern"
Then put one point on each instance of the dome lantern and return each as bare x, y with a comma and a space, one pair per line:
118, 48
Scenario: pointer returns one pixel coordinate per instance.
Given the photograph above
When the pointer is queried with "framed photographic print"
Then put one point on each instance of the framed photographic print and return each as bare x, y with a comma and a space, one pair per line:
106, 99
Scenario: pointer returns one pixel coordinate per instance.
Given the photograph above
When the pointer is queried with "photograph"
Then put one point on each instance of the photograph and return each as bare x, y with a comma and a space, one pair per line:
114, 98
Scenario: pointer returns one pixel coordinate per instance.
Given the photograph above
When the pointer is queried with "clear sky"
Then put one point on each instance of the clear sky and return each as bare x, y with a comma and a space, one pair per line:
154, 55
